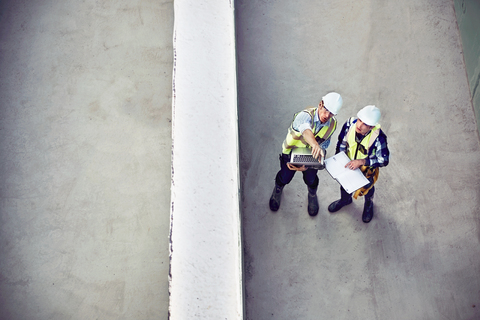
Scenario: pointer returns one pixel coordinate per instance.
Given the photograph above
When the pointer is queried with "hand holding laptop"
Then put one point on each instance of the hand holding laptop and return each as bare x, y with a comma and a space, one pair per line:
296, 167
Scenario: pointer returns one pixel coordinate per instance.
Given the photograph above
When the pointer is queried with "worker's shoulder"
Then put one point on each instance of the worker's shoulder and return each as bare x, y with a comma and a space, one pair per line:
350, 121
308, 110
382, 136
306, 113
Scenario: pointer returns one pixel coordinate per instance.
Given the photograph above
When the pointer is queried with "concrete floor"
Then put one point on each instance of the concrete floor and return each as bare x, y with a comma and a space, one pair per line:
85, 192
419, 258
85, 120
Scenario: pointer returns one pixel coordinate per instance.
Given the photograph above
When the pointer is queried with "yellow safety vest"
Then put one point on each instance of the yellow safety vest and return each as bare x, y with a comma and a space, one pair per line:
360, 151
295, 139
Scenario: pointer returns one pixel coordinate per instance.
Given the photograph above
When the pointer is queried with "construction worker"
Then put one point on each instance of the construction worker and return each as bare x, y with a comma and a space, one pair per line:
311, 128
366, 145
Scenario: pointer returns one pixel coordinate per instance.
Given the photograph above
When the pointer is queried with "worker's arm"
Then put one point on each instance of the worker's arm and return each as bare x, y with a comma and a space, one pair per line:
317, 152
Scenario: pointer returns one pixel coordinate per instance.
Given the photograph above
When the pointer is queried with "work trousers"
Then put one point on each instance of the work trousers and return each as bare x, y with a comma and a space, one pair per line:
285, 175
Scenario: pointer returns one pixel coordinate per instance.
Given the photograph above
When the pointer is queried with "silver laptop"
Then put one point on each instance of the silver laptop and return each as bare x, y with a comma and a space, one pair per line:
303, 157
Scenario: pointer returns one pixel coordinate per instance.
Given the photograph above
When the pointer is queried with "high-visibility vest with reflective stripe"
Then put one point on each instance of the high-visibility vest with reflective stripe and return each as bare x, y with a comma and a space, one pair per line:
295, 139
360, 151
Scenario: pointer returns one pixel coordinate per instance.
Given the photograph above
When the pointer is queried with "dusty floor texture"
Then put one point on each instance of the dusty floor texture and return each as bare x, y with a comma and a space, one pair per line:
419, 258
85, 122
85, 148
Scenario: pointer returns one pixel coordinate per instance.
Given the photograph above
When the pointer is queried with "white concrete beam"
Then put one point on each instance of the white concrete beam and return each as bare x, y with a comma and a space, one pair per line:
206, 273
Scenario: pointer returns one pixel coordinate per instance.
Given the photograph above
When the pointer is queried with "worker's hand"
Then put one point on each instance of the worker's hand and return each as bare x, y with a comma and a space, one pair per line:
323, 153
310, 139
317, 152
292, 167
354, 164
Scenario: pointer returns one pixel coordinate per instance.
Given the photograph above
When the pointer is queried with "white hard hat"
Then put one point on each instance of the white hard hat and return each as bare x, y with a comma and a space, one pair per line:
332, 102
369, 115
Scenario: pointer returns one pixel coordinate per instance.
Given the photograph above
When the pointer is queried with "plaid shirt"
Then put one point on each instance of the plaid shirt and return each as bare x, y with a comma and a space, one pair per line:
378, 155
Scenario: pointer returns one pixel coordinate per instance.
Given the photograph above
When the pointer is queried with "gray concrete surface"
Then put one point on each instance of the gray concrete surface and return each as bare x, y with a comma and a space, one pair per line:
85, 111
419, 258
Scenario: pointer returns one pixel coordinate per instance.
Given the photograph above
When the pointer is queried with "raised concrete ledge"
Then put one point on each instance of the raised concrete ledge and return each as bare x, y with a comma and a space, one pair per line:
205, 241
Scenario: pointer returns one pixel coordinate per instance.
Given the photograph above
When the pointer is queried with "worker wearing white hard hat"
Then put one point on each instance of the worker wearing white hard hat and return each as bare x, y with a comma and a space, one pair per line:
333, 102
370, 115
366, 145
311, 128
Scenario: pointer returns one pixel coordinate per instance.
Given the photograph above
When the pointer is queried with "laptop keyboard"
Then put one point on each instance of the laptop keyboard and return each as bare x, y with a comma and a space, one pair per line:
304, 158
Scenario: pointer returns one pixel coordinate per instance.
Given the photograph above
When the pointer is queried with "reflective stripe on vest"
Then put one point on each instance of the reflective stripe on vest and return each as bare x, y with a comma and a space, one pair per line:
360, 152
295, 139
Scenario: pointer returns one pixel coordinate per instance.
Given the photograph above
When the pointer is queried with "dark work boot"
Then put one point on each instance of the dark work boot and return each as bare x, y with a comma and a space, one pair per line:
312, 202
345, 199
339, 204
276, 198
367, 210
